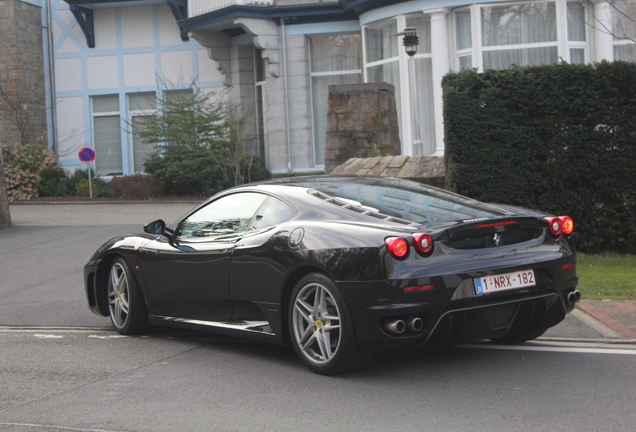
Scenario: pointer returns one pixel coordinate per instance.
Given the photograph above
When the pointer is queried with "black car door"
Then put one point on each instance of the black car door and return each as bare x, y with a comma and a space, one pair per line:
188, 275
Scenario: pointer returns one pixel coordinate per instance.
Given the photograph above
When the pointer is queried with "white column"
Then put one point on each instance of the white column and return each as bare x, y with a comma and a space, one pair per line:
439, 47
603, 39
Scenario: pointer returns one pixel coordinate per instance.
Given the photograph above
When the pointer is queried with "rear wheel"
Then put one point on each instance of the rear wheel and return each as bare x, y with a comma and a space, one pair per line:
321, 328
125, 301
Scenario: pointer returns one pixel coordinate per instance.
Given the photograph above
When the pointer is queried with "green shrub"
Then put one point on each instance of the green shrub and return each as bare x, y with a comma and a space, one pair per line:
206, 147
78, 184
23, 165
560, 138
137, 186
193, 170
53, 182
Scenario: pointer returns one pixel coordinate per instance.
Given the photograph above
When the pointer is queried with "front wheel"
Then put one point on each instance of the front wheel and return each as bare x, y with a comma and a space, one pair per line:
321, 328
126, 303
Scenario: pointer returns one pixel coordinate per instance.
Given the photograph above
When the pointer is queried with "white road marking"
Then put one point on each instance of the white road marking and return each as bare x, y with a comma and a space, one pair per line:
32, 425
553, 348
47, 336
107, 337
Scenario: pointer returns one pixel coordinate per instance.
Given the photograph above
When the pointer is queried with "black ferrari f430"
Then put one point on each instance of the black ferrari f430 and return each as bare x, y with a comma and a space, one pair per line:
341, 267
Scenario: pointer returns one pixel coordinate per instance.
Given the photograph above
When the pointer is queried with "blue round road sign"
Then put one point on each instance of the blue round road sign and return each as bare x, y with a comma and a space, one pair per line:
86, 154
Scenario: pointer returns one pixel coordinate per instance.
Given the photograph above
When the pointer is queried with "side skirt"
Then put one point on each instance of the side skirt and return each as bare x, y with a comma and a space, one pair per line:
254, 330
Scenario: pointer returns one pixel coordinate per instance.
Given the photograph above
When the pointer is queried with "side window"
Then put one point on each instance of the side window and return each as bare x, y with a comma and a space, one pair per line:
230, 214
272, 213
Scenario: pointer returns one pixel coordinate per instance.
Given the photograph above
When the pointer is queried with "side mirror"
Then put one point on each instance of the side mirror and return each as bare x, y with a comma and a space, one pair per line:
156, 227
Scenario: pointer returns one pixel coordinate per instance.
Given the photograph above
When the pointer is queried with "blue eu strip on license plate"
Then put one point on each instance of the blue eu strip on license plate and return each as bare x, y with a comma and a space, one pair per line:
478, 286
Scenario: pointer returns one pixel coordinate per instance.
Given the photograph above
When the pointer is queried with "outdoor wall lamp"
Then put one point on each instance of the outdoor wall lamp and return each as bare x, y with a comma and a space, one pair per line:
411, 42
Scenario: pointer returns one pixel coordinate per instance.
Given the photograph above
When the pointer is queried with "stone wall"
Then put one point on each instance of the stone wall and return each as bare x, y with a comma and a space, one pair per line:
22, 71
424, 169
361, 122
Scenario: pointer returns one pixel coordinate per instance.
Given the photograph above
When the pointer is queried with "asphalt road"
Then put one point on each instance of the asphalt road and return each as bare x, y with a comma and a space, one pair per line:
54, 380
42, 257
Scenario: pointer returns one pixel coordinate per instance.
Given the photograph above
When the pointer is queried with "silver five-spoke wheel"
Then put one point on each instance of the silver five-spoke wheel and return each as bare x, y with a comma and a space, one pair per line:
126, 303
321, 328
316, 323
118, 295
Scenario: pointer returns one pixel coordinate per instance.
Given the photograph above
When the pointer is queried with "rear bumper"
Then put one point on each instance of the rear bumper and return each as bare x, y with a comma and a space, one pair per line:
453, 312
462, 323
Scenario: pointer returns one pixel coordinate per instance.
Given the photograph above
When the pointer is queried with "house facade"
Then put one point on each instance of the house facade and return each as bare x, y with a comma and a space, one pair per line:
112, 60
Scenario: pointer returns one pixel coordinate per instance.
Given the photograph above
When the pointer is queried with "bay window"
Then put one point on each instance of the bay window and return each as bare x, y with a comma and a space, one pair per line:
496, 36
624, 29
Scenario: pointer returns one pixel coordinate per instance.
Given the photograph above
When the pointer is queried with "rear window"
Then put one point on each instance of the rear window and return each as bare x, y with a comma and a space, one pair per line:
409, 201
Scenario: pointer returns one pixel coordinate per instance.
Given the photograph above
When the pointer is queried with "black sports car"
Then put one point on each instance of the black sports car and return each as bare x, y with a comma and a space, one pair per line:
341, 267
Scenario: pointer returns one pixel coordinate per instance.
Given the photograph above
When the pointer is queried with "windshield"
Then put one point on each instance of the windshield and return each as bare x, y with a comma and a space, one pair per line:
409, 200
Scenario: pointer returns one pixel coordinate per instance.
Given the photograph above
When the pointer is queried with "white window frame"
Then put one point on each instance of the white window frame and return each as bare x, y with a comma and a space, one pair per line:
477, 51
321, 74
132, 112
562, 25
106, 114
616, 41
405, 130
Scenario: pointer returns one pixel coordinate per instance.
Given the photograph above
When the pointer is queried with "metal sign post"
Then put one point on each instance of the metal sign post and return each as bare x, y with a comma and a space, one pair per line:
87, 155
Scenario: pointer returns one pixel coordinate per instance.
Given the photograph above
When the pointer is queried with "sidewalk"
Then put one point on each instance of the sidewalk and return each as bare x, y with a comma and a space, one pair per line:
620, 316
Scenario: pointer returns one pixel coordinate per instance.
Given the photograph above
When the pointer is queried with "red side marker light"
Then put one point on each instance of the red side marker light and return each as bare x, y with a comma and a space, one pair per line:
419, 288
555, 225
567, 266
568, 224
397, 247
422, 242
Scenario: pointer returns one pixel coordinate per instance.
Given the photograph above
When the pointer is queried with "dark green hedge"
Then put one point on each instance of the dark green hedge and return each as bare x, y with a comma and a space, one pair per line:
560, 138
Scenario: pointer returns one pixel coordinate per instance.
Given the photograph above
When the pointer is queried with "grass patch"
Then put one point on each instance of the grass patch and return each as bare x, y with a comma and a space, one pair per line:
607, 276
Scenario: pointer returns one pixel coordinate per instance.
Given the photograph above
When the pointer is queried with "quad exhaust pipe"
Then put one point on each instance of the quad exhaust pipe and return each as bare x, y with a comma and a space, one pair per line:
574, 297
394, 326
414, 324
398, 326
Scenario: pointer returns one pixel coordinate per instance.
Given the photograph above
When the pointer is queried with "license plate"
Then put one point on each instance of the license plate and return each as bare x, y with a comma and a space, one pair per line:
502, 282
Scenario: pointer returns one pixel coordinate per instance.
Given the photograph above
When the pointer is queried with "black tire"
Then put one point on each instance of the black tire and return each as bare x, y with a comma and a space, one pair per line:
321, 328
518, 338
126, 303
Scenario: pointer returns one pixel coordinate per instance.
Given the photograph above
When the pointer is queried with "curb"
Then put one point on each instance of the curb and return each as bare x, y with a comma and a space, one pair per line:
609, 317
608, 341
597, 325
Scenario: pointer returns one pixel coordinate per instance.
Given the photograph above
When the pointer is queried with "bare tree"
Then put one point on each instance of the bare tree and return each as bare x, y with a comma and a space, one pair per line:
234, 158
22, 100
5, 215
623, 23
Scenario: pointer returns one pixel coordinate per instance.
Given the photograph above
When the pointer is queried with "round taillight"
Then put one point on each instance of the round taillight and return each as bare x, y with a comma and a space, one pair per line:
567, 224
422, 242
555, 225
397, 247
